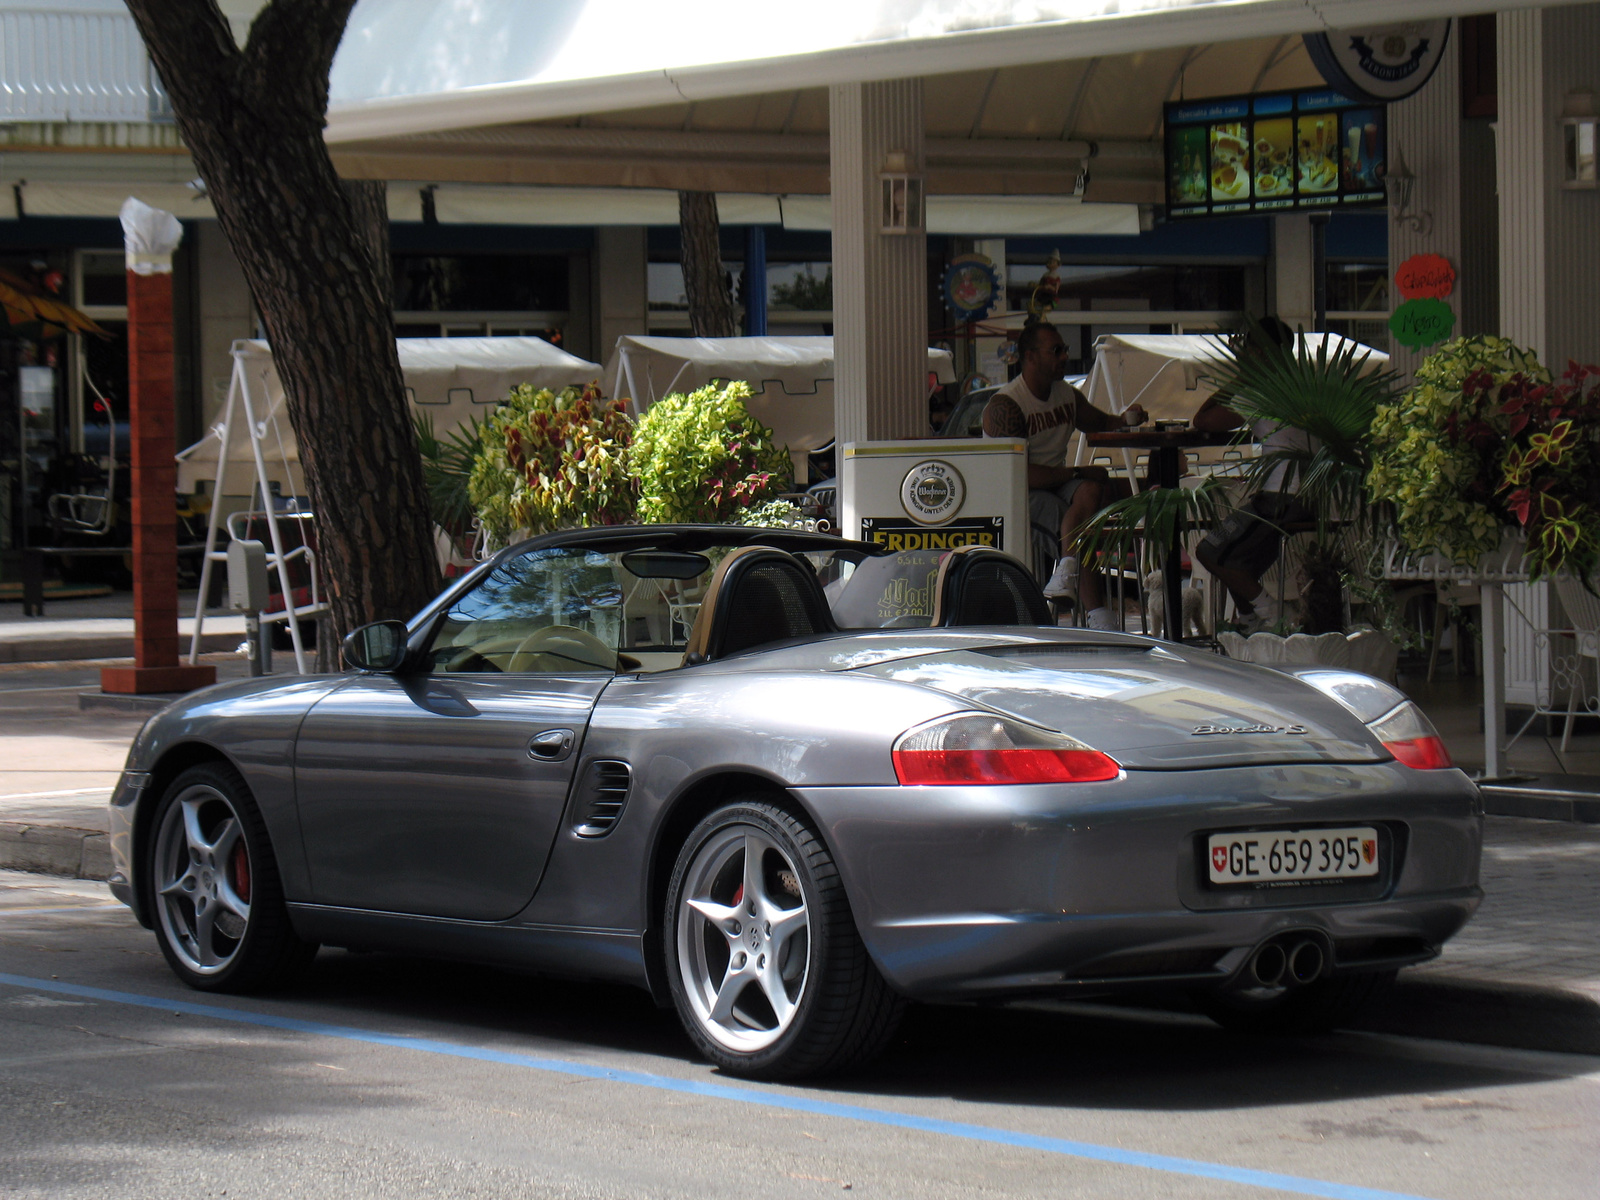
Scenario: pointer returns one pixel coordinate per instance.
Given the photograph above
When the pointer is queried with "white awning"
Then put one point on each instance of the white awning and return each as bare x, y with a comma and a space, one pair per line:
791, 378
451, 380
415, 66
1165, 373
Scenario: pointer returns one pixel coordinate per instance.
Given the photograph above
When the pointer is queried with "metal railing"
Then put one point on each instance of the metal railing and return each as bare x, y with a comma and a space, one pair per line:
76, 66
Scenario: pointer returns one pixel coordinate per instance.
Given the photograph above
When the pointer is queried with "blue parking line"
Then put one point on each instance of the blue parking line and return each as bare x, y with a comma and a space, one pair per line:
745, 1094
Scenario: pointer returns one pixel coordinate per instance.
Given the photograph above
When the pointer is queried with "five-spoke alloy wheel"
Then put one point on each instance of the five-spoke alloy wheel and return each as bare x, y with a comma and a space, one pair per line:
767, 970
213, 886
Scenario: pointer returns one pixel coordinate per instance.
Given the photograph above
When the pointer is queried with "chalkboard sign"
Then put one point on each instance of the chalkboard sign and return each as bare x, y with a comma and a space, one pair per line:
1274, 152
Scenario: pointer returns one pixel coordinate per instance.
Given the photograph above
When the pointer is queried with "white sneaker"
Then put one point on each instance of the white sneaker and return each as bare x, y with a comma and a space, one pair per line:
1103, 620
1063, 583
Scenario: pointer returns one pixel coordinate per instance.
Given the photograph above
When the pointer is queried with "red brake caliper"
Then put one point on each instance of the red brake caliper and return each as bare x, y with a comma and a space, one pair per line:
241, 872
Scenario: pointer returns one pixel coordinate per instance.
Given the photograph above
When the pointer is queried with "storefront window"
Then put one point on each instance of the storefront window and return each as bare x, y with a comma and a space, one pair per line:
1358, 302
480, 283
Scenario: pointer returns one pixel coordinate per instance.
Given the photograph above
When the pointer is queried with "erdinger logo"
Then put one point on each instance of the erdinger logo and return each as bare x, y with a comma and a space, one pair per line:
932, 492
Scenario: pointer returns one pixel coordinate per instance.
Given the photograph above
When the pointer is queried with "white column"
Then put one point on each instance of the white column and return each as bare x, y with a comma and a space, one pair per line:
1293, 301
1426, 129
1521, 172
1549, 235
880, 285
619, 297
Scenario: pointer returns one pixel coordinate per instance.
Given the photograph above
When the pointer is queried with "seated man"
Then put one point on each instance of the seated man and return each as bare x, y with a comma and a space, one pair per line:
1243, 547
1040, 406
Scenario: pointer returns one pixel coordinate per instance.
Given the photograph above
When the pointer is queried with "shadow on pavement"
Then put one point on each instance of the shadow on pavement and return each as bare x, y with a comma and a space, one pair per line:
1126, 1059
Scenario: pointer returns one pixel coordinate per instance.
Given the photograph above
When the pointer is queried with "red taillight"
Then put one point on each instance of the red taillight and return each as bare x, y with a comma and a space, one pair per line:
1003, 766
1421, 754
1408, 735
975, 748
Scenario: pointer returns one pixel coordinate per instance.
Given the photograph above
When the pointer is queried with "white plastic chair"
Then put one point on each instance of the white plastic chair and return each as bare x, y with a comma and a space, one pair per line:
1583, 615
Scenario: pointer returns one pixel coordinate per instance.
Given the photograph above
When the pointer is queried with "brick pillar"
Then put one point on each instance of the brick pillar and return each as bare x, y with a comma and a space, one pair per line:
154, 485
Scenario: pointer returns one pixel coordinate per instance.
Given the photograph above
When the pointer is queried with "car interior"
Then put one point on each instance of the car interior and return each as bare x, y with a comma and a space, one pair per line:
583, 609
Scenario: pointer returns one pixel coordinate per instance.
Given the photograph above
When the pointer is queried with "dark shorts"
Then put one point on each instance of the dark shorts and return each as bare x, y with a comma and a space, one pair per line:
1251, 538
1046, 506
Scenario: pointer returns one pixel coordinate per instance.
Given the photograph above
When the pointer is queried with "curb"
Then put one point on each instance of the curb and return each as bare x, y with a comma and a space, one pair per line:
116, 645
125, 702
1540, 803
1488, 1012
55, 850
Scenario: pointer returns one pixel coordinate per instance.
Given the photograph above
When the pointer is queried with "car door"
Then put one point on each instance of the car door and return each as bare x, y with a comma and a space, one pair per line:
439, 790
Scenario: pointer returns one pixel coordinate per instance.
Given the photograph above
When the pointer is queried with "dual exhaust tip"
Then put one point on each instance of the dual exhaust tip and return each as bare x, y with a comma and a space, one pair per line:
1288, 960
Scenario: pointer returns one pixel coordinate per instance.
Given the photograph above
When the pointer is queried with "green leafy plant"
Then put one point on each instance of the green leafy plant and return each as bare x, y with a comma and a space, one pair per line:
703, 457
447, 471
1488, 439
550, 460
1435, 449
1329, 395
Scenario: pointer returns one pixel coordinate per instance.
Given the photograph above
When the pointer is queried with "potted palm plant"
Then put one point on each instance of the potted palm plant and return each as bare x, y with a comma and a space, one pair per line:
1329, 392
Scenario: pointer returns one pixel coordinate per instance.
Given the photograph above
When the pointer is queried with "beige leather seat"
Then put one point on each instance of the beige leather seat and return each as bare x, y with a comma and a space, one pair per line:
757, 595
977, 585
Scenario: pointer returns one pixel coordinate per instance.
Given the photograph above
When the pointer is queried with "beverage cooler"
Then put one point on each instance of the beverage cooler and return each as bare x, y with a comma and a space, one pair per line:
937, 494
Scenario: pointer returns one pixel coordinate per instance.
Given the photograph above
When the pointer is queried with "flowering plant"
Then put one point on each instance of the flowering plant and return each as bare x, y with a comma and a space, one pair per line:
550, 460
703, 457
1485, 439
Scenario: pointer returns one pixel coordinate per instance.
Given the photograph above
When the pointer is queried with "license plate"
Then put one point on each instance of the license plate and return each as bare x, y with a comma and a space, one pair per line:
1271, 855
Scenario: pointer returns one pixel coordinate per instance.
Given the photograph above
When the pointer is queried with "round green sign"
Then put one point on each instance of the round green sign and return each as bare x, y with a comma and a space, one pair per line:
1419, 323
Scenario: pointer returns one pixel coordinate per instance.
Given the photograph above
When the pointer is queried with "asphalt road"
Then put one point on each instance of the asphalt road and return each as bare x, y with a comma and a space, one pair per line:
389, 1077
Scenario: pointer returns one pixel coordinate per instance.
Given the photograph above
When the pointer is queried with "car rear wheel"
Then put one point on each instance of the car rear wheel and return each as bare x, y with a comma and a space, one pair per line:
214, 890
1315, 1008
767, 970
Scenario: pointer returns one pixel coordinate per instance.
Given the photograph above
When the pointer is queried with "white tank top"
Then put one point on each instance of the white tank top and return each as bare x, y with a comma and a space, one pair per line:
1050, 426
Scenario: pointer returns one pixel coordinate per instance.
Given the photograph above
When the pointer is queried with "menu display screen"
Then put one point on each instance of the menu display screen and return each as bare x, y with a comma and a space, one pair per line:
1278, 151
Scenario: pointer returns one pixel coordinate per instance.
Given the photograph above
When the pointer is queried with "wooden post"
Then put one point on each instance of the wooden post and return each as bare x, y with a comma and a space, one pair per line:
154, 492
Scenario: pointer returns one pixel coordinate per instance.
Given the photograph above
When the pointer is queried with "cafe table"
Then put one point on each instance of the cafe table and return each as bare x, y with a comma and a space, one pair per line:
1166, 447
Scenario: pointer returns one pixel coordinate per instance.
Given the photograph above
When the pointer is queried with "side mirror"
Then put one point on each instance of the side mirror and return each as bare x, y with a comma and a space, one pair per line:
380, 646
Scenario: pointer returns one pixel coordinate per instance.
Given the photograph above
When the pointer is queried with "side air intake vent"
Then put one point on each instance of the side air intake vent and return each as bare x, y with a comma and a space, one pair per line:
600, 799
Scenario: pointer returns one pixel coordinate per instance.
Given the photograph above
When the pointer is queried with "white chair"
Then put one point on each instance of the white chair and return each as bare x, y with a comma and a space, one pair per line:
1583, 616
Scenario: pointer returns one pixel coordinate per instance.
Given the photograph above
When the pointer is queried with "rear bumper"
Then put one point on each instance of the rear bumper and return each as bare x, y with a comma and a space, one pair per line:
966, 892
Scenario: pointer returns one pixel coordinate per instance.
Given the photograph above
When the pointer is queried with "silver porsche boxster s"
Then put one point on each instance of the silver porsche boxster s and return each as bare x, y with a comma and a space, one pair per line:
788, 782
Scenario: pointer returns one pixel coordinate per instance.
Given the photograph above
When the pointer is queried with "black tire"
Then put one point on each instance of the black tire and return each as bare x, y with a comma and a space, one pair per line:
1315, 1008
207, 942
844, 1012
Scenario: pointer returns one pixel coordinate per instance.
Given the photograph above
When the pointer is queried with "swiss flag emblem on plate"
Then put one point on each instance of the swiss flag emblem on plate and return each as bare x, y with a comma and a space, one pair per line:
1369, 849
1219, 857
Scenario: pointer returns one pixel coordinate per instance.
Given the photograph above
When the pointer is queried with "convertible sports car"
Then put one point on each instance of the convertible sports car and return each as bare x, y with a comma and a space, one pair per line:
786, 783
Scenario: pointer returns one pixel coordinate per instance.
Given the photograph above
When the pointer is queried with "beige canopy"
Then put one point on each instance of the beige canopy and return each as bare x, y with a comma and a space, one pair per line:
452, 380
1166, 373
791, 378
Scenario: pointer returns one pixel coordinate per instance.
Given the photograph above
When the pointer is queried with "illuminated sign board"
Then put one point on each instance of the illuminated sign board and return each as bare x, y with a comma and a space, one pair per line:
1274, 152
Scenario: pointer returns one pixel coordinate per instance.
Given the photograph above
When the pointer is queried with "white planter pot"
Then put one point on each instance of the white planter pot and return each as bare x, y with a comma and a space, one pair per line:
1365, 650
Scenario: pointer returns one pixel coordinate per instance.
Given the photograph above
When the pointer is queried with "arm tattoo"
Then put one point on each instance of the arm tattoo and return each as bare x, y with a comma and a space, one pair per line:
1002, 418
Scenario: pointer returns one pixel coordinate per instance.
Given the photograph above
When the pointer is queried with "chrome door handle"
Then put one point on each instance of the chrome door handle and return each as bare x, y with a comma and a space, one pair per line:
552, 745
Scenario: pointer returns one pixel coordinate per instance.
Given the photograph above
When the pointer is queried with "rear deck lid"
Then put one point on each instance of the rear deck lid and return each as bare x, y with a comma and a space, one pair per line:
1150, 707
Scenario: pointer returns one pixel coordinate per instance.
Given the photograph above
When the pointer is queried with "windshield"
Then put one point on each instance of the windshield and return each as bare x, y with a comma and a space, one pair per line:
571, 609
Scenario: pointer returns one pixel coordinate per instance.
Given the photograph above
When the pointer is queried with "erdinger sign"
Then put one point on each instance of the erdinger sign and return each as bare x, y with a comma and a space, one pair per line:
1381, 63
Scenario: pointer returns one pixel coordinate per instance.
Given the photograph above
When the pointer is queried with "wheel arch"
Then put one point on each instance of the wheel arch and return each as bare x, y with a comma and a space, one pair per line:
174, 761
687, 809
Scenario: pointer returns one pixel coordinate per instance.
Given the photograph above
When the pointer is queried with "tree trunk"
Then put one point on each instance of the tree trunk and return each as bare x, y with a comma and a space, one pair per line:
252, 119
704, 283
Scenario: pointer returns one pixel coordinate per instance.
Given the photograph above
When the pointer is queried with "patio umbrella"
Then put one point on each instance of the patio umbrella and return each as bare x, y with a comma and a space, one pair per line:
30, 311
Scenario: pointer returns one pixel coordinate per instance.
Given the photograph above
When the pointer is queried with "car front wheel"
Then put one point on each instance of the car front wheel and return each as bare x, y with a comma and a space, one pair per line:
213, 885
767, 970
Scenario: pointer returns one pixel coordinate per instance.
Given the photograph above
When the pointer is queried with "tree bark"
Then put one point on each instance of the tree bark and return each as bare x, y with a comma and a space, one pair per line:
253, 120
704, 282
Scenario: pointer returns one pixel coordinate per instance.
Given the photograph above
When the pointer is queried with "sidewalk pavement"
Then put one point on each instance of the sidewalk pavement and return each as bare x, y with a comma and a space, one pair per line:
100, 627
